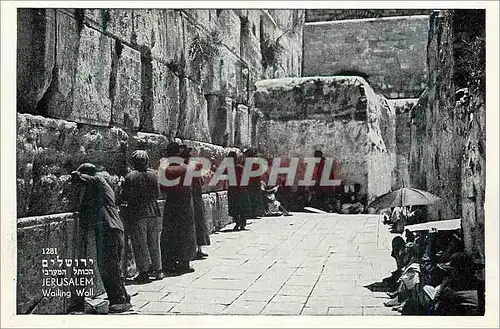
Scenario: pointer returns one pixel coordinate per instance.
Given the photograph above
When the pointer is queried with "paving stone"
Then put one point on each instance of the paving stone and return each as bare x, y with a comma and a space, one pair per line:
157, 307
150, 296
345, 311
174, 297
197, 308
245, 308
289, 299
257, 296
282, 309
316, 310
290, 290
318, 266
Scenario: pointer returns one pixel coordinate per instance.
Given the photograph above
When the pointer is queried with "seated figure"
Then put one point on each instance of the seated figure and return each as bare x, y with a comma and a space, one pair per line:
272, 206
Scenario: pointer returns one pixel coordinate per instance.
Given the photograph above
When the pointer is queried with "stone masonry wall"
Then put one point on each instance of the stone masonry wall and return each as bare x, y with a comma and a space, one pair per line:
340, 115
388, 51
402, 108
321, 15
94, 85
447, 153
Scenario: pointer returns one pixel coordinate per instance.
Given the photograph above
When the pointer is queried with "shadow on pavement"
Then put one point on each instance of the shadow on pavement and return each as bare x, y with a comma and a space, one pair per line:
378, 287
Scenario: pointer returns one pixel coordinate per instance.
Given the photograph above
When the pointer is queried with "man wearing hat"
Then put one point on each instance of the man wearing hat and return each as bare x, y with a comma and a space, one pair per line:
140, 191
98, 212
178, 239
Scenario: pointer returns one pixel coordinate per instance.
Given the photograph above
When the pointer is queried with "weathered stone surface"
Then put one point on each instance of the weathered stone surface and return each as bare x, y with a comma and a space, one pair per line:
116, 22
218, 118
242, 126
402, 109
193, 117
229, 27
36, 32
58, 98
203, 17
195, 60
474, 179
447, 153
126, 96
436, 147
250, 40
165, 114
48, 150
91, 103
222, 74
342, 116
344, 142
340, 97
79, 89
390, 51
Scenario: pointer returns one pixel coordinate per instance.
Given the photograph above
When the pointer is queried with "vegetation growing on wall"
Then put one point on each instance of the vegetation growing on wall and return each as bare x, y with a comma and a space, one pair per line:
203, 47
471, 62
271, 51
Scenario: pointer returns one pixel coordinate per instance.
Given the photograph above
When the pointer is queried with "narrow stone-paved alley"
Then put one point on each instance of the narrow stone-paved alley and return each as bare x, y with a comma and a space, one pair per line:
306, 264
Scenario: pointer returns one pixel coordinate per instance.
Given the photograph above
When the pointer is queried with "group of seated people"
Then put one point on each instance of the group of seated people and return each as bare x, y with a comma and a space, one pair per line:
434, 275
345, 199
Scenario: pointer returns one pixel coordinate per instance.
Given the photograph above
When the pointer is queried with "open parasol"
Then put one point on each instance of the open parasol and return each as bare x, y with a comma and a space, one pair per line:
402, 197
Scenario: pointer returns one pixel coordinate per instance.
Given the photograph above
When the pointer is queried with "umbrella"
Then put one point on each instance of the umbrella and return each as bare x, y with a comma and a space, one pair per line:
402, 197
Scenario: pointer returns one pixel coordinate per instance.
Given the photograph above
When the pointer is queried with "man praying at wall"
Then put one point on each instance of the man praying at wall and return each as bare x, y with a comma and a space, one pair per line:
178, 240
140, 191
98, 212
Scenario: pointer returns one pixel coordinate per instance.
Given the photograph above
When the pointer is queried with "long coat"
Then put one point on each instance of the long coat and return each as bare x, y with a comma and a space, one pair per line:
202, 234
178, 239
239, 202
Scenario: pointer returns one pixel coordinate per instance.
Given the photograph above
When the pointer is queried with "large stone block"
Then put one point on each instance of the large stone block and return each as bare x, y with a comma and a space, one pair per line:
161, 31
210, 210
345, 142
57, 101
242, 126
195, 49
36, 35
218, 118
79, 89
92, 103
193, 118
229, 27
223, 210
227, 75
116, 22
165, 92
250, 50
340, 97
127, 102
203, 17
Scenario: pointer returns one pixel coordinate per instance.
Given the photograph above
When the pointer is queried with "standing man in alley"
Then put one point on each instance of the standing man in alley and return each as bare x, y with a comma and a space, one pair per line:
140, 191
98, 213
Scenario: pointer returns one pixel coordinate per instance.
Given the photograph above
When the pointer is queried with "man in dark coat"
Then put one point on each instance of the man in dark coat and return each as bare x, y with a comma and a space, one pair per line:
202, 234
140, 191
178, 239
239, 203
98, 211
